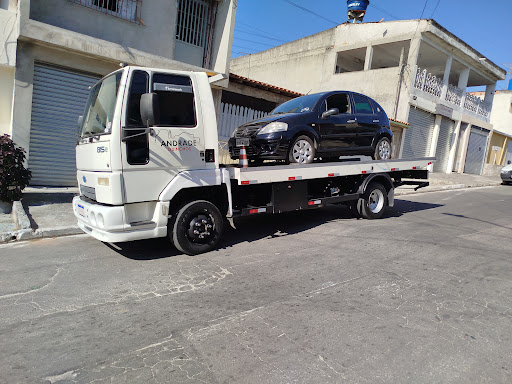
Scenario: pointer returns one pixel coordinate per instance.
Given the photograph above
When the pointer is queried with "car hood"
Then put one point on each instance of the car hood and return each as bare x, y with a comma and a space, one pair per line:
268, 119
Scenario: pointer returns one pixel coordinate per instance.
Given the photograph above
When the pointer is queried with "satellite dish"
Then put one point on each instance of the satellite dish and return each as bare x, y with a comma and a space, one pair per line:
357, 9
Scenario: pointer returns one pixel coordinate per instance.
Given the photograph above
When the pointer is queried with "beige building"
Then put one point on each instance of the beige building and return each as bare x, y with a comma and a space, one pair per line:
417, 70
53, 50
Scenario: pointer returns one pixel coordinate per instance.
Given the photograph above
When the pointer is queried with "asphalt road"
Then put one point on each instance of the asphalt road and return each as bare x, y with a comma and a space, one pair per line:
422, 296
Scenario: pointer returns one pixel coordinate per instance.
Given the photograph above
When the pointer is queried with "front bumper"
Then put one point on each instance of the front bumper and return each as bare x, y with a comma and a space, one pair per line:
111, 224
506, 176
261, 148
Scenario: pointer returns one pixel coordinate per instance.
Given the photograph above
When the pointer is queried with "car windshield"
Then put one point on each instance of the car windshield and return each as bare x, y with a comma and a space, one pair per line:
99, 110
302, 104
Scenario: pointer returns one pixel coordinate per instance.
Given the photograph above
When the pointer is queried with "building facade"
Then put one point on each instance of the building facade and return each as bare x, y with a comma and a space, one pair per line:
418, 71
55, 49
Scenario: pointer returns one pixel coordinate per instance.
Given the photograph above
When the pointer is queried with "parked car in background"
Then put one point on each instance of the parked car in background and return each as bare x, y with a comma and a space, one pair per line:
506, 174
326, 125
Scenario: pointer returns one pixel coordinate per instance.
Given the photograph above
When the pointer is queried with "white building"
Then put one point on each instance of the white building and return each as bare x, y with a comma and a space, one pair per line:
53, 50
417, 70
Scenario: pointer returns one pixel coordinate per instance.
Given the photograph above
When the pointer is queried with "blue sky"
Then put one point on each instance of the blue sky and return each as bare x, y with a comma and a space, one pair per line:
263, 24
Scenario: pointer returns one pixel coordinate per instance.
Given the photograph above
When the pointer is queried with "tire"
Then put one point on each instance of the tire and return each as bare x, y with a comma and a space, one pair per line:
193, 220
373, 202
382, 149
302, 150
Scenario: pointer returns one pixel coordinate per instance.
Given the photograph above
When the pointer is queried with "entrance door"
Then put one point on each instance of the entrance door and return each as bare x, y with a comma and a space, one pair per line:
444, 144
476, 151
176, 143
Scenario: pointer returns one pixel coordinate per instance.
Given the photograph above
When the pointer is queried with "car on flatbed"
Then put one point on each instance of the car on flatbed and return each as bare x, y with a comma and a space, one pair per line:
506, 174
326, 125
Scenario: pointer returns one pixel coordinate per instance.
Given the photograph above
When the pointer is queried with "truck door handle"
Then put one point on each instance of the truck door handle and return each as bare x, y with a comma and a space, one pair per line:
351, 121
376, 121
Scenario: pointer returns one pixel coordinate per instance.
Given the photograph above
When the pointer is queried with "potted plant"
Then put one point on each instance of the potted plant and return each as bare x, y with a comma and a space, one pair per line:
14, 177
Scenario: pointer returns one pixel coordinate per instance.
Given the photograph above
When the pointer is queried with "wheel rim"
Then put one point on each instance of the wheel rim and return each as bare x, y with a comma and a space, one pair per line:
201, 228
376, 201
384, 150
302, 152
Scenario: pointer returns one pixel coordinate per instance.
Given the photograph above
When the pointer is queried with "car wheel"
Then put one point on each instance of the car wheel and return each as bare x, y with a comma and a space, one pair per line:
382, 149
196, 227
302, 151
373, 202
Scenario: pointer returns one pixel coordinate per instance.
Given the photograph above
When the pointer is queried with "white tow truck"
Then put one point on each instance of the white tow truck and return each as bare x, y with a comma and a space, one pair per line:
148, 167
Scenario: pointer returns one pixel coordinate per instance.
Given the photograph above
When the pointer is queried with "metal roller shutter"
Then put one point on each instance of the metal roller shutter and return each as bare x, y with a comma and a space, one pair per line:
59, 97
508, 157
418, 137
444, 143
476, 151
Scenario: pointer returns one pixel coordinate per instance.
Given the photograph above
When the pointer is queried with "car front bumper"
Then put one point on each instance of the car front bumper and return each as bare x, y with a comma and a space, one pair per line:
275, 148
506, 176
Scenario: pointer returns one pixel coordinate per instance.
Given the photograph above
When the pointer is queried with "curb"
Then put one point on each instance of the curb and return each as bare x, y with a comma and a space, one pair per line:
444, 188
30, 234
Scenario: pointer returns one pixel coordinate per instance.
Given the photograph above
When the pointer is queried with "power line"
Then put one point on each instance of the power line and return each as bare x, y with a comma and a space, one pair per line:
255, 42
256, 29
310, 11
435, 9
384, 11
260, 35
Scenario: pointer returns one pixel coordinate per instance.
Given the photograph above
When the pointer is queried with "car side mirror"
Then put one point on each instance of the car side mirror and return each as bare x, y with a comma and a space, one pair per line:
330, 112
149, 109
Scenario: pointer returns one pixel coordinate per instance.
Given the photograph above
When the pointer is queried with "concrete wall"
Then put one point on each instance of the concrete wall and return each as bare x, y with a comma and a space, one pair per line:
8, 37
501, 115
156, 36
6, 94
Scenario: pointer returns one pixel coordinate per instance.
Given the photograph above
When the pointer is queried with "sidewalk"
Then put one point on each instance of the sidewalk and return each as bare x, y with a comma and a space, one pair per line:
48, 212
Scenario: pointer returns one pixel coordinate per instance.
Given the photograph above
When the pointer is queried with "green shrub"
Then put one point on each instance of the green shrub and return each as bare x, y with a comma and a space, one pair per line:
14, 177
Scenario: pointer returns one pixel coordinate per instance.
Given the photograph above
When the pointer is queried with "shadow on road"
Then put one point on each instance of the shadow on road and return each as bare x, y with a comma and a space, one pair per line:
255, 228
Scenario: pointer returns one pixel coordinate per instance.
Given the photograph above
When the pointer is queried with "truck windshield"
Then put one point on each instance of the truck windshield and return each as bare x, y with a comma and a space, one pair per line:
303, 104
99, 110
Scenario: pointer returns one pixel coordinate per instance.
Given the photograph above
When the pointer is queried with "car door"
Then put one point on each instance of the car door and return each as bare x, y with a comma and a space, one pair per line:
367, 121
337, 132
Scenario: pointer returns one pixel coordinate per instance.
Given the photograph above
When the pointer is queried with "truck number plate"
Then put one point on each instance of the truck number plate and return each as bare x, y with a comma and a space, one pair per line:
81, 210
242, 142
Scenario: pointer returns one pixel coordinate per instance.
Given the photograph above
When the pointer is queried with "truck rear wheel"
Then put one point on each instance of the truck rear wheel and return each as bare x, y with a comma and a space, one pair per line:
196, 227
373, 202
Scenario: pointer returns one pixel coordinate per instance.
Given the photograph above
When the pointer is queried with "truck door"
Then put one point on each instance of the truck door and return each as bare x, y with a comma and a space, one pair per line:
151, 159
367, 121
337, 131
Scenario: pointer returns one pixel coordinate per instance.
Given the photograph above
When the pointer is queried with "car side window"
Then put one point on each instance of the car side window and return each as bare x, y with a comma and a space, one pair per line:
339, 101
362, 104
175, 99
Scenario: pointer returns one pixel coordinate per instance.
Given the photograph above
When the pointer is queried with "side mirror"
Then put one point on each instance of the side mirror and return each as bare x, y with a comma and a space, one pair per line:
149, 109
330, 112
80, 122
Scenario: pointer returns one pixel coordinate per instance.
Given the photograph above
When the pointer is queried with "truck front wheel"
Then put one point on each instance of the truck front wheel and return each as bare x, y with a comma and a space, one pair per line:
196, 227
373, 202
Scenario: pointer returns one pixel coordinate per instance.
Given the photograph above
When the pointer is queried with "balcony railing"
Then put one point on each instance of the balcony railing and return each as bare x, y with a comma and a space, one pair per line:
454, 95
433, 85
476, 105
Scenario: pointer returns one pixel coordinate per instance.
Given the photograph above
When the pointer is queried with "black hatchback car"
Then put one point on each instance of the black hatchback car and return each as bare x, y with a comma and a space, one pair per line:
326, 125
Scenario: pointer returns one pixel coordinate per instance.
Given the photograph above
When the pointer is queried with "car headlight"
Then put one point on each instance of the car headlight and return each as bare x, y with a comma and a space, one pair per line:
273, 127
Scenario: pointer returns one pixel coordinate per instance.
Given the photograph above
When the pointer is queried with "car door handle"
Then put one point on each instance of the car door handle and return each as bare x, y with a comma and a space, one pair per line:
376, 121
351, 121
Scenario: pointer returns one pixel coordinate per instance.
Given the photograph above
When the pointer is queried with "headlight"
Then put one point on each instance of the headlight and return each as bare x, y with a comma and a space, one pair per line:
273, 127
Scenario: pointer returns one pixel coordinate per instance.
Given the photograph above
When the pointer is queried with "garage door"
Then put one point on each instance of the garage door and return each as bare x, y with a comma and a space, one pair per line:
58, 99
444, 144
476, 151
418, 137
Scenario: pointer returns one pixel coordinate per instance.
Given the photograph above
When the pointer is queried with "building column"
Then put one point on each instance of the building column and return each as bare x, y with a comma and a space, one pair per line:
446, 77
453, 149
463, 84
490, 90
368, 59
435, 138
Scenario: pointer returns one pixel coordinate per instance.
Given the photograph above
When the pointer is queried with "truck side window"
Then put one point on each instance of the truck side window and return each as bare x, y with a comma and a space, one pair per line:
176, 100
137, 148
339, 101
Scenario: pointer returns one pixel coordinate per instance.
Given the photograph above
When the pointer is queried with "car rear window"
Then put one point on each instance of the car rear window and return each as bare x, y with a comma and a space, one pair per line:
363, 104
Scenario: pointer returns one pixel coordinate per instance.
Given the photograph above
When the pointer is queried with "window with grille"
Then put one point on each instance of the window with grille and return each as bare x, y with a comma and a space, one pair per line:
195, 21
124, 9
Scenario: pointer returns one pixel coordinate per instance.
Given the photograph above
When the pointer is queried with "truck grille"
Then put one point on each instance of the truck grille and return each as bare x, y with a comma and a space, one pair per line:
88, 192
